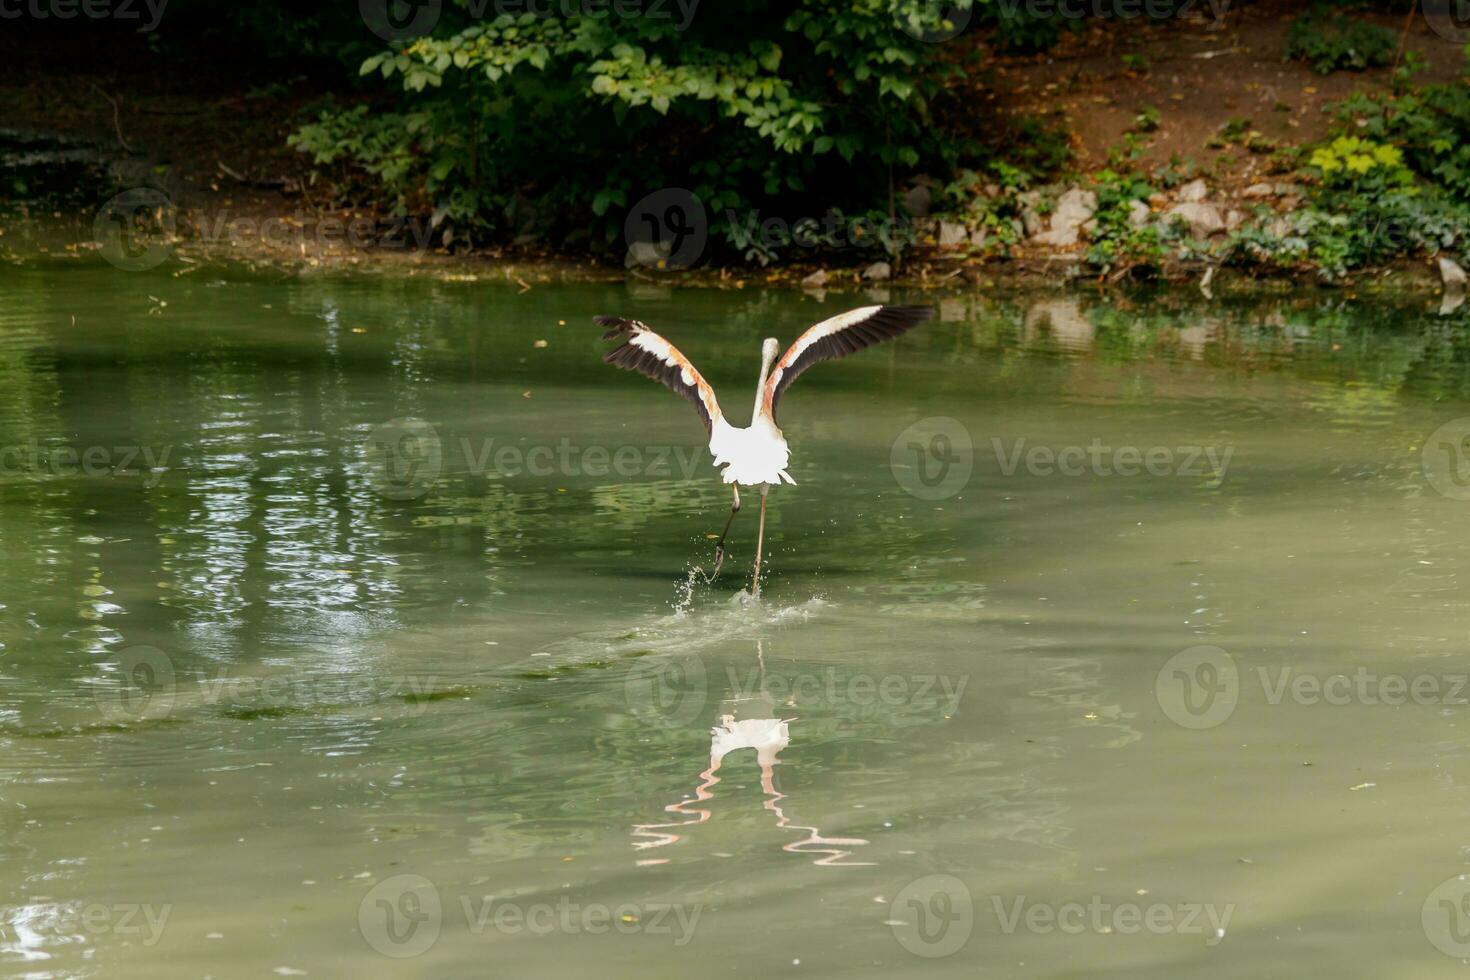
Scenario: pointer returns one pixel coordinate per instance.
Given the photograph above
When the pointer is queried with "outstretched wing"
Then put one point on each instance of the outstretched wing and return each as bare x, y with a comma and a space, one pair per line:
843, 334
652, 356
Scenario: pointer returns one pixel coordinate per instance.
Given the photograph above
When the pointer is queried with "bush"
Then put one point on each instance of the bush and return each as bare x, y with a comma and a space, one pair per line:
1328, 41
1431, 124
1114, 239
1370, 208
552, 127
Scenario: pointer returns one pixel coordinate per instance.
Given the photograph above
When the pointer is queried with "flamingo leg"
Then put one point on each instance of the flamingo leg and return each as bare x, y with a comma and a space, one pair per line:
720, 544
755, 582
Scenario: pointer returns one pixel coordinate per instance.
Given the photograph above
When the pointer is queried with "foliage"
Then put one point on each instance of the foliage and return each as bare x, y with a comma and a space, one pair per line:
1329, 41
1432, 125
1361, 166
1400, 185
1238, 131
1369, 208
553, 126
997, 214
1114, 237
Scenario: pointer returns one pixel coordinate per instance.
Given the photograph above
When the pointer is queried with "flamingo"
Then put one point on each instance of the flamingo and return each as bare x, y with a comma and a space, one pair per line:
757, 455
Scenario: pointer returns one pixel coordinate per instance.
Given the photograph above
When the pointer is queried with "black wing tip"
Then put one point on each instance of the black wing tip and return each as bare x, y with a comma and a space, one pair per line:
616, 325
911, 314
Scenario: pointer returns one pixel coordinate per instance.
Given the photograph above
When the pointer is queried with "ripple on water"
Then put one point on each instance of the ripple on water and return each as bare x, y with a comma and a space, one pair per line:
686, 630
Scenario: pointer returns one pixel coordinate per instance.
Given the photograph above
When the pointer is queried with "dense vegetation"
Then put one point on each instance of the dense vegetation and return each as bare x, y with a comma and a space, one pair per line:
548, 123
525, 125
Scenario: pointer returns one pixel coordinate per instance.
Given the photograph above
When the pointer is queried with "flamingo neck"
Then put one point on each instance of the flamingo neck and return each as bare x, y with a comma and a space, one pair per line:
767, 359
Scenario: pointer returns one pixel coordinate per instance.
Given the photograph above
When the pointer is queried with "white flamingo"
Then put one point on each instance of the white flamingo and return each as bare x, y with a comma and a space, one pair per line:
757, 455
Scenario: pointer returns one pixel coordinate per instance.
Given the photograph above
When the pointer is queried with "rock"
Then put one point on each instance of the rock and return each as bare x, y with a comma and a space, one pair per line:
650, 255
917, 201
878, 272
1453, 278
1138, 214
1073, 210
1031, 220
1089, 228
1451, 274
1076, 202
1234, 219
1279, 227
1194, 191
816, 280
992, 190
952, 233
1202, 220
1158, 200
1295, 190
978, 237
1060, 237
1260, 190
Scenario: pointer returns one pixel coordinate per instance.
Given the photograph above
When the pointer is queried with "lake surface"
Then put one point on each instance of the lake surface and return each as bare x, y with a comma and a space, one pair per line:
354, 628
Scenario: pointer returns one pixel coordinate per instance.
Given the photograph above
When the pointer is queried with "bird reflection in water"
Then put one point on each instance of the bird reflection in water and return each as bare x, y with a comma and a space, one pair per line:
748, 722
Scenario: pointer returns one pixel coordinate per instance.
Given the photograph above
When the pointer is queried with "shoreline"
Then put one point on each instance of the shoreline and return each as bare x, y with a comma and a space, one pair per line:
282, 244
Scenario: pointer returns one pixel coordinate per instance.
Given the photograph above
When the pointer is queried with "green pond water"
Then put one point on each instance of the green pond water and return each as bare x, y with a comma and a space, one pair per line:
348, 629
